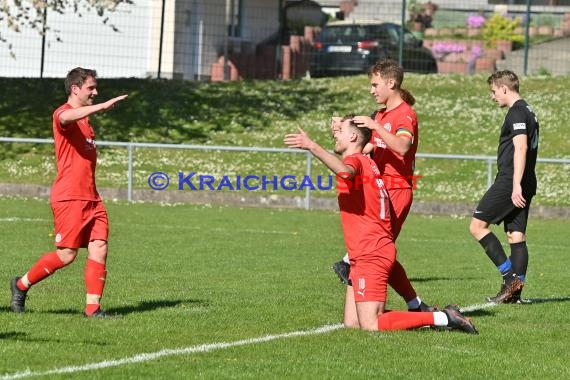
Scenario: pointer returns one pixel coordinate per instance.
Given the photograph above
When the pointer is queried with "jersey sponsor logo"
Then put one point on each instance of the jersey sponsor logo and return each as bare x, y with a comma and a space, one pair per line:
379, 142
518, 126
58, 238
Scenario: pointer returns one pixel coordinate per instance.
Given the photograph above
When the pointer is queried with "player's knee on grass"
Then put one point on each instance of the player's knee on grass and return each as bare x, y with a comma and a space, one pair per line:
351, 323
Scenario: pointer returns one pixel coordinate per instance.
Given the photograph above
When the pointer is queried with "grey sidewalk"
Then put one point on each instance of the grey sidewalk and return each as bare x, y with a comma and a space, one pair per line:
552, 57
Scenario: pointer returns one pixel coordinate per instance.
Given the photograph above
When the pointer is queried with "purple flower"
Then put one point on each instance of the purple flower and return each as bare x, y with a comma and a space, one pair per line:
447, 47
475, 21
476, 51
441, 49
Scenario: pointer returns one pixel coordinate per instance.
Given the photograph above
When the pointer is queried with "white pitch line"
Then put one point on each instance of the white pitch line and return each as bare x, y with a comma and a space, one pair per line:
481, 306
18, 219
195, 349
170, 352
217, 229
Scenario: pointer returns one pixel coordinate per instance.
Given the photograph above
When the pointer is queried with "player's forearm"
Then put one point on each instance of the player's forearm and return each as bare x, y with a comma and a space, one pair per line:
368, 148
330, 160
397, 144
520, 144
74, 114
519, 162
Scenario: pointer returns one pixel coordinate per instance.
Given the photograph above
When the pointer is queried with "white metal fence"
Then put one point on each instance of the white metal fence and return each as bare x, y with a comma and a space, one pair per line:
131, 146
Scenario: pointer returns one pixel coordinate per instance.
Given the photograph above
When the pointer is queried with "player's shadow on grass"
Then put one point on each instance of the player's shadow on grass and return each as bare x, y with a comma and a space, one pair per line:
143, 306
25, 337
479, 313
489, 308
429, 279
530, 301
15, 335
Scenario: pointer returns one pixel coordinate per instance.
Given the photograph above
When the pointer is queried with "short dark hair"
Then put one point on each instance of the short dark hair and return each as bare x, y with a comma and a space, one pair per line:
77, 77
364, 134
504, 78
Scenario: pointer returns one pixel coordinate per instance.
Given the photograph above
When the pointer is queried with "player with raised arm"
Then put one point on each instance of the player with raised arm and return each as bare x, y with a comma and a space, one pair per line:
367, 229
393, 147
80, 217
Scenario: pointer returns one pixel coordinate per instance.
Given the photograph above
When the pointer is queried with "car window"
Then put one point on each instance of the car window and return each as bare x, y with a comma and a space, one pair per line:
409, 37
383, 34
376, 32
343, 34
394, 32
354, 33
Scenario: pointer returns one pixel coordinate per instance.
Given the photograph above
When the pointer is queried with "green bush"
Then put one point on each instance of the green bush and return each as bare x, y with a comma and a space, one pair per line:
500, 28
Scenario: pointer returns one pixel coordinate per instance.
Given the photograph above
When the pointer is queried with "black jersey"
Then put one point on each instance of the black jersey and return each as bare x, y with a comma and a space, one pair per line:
520, 119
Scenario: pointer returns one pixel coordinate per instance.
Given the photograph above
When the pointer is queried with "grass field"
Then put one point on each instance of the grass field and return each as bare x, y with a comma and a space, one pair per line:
238, 293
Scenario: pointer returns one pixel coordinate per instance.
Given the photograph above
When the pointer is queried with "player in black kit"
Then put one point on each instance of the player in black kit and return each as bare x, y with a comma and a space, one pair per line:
508, 199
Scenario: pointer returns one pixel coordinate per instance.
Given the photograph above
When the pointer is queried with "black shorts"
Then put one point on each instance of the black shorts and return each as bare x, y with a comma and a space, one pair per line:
496, 206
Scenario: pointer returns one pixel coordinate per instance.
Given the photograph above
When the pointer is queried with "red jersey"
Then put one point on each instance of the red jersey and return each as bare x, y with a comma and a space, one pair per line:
76, 157
364, 209
397, 170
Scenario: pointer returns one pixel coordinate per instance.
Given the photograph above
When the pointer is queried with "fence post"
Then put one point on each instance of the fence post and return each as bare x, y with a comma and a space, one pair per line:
130, 149
308, 190
489, 172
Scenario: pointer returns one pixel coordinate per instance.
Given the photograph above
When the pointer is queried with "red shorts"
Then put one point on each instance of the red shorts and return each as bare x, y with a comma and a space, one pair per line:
401, 201
369, 275
79, 222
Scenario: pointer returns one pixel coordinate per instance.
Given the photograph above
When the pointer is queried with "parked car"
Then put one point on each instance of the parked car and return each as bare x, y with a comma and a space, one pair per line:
343, 48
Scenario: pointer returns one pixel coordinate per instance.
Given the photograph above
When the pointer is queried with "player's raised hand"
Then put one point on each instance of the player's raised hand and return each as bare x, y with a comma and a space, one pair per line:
364, 121
111, 102
298, 140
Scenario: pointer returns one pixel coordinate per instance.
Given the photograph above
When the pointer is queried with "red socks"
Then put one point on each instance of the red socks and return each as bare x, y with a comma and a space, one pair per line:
399, 281
403, 320
44, 267
95, 274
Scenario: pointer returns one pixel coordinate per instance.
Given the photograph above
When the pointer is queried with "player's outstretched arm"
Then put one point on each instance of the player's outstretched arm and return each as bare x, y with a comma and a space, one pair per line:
302, 141
74, 114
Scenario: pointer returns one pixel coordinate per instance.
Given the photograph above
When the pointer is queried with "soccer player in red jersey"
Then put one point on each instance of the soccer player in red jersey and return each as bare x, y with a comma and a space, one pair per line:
80, 217
393, 147
365, 217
